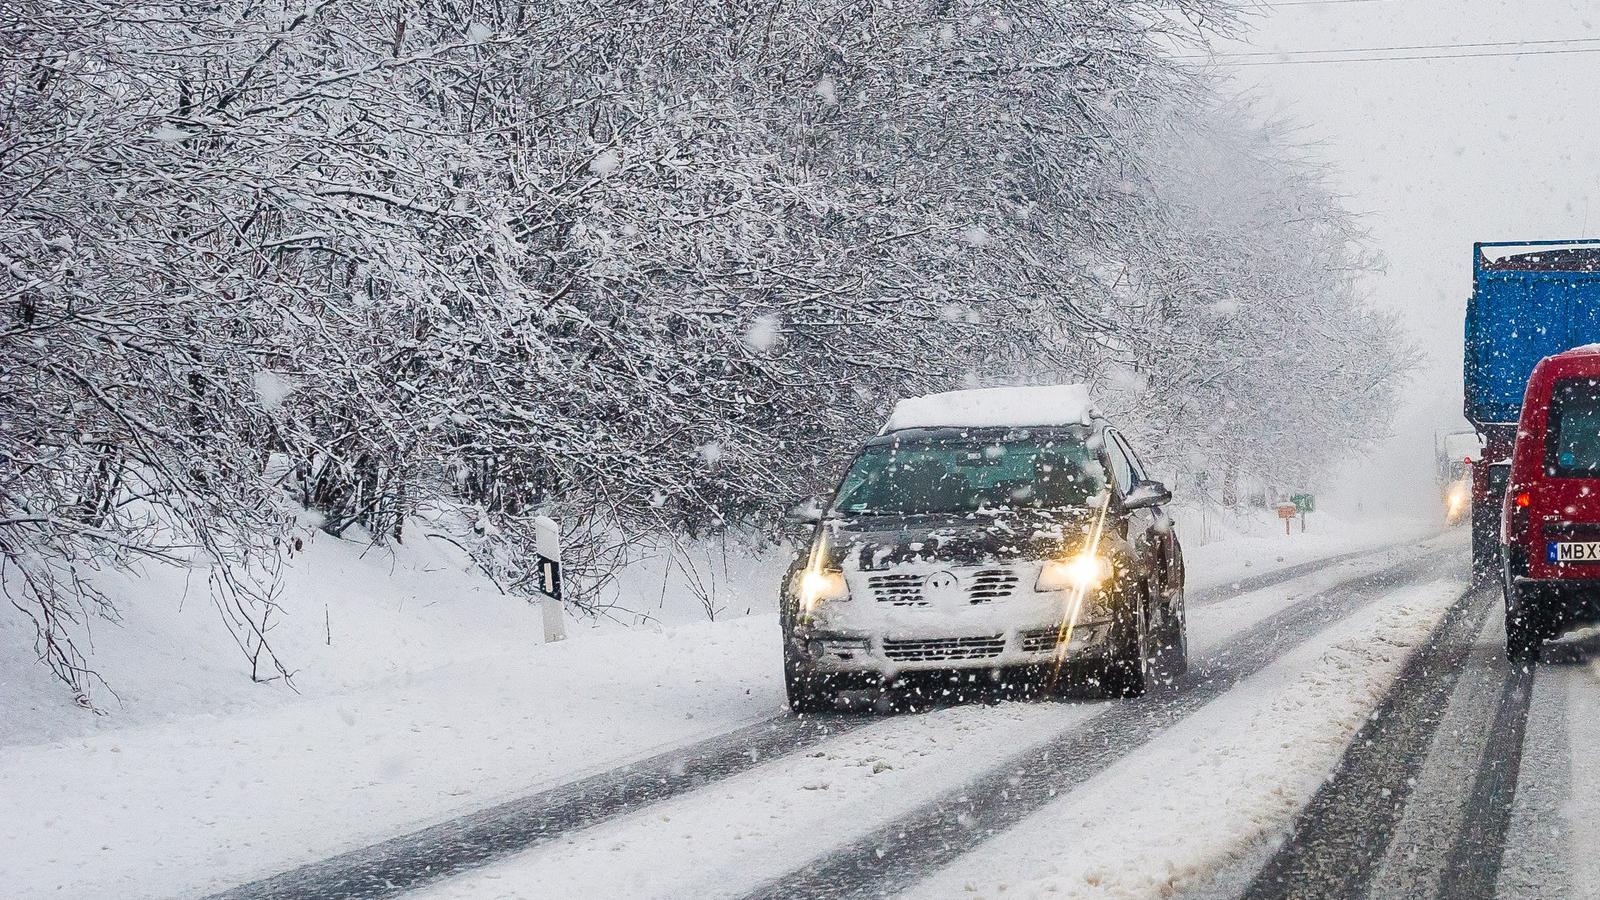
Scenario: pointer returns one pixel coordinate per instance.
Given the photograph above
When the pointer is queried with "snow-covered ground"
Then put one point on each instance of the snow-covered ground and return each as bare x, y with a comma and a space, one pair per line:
1555, 827
784, 815
1220, 546
436, 697
1228, 778
353, 617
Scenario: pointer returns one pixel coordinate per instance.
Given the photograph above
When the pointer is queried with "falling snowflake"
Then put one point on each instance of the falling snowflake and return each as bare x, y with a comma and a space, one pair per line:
171, 134
1122, 378
605, 162
272, 389
763, 332
828, 90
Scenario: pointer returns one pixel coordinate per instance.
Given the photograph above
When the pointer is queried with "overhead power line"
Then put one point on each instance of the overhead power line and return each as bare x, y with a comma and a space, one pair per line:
1366, 59
1317, 3
1393, 49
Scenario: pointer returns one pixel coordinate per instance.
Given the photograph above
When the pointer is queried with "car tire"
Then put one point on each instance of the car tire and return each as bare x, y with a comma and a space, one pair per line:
1172, 650
1127, 670
806, 691
1486, 555
1524, 628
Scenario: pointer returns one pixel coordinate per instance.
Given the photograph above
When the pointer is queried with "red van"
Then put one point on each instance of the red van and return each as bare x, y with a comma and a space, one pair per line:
1550, 523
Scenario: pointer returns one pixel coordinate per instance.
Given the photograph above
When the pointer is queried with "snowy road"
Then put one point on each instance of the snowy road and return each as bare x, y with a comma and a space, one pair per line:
1382, 669
1462, 785
474, 839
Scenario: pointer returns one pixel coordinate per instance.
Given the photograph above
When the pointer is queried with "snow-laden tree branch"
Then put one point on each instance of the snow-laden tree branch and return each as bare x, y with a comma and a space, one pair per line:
651, 267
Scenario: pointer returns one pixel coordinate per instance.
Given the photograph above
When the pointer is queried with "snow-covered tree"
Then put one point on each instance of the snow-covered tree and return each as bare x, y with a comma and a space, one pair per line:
652, 267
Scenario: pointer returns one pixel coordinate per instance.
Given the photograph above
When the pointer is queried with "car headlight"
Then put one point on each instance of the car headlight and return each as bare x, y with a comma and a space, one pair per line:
821, 585
1083, 572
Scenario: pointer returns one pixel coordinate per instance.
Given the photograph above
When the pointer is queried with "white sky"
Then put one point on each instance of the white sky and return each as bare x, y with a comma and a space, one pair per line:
1437, 154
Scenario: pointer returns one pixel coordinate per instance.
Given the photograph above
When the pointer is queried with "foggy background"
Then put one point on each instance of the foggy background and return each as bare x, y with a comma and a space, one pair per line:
1434, 154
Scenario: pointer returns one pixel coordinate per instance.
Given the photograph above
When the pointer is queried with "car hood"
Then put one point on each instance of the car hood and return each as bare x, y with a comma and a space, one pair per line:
876, 543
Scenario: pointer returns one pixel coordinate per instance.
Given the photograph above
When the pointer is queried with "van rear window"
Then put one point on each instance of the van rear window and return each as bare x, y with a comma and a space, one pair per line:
1572, 448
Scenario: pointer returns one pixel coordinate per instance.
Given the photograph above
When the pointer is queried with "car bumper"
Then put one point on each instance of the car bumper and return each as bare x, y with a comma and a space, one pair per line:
888, 654
1564, 601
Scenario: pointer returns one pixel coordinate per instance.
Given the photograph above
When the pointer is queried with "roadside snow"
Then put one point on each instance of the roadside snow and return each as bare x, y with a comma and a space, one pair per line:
352, 617
210, 800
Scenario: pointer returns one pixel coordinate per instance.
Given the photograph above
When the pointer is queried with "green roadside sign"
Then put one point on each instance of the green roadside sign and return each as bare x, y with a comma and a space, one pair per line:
1305, 503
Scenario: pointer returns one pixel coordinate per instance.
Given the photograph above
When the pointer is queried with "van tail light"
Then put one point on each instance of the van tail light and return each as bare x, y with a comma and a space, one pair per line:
1518, 526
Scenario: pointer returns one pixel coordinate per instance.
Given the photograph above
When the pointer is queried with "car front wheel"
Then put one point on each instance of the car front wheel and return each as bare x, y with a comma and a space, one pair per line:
1127, 671
807, 692
1172, 652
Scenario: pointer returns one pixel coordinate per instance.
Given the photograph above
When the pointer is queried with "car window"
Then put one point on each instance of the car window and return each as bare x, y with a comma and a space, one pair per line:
940, 477
1121, 466
1134, 461
1572, 448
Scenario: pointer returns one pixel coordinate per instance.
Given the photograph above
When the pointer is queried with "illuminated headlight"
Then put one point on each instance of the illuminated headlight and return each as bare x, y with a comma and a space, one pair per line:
822, 586
1083, 572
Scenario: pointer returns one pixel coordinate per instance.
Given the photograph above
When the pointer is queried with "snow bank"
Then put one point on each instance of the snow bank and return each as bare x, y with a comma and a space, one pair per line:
1062, 404
350, 617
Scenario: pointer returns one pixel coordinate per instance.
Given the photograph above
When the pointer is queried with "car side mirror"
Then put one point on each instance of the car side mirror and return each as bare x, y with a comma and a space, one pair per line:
1146, 494
806, 512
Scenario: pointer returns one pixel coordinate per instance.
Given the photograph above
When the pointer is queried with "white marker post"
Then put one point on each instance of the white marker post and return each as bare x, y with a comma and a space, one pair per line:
548, 540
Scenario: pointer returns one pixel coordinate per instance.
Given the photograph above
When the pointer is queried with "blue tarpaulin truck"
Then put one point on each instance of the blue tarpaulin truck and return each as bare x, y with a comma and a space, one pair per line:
1529, 300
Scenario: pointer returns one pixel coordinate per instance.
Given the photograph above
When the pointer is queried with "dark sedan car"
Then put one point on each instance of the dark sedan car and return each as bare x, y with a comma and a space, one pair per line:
1008, 531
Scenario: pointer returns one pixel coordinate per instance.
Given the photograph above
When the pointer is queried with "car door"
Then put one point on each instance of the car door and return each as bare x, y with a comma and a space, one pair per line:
1145, 526
1165, 538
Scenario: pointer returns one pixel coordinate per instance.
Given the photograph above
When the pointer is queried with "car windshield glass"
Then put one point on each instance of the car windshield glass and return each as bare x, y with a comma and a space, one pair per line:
1573, 448
971, 474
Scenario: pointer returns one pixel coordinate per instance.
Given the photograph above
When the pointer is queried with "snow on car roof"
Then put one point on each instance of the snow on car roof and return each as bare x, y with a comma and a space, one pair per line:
1056, 404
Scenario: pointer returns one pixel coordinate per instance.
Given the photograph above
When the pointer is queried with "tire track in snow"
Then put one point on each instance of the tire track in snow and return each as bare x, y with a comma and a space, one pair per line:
1473, 867
400, 864
1340, 840
896, 855
394, 866
1253, 583
1537, 859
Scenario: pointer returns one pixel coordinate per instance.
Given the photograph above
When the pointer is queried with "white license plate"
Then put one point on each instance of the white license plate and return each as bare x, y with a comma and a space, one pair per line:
1574, 551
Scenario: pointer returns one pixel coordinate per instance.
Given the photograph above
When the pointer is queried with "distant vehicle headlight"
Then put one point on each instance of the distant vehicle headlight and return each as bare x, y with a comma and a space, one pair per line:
1083, 572
819, 586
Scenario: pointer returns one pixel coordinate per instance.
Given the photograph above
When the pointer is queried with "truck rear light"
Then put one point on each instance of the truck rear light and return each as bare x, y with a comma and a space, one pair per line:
1524, 499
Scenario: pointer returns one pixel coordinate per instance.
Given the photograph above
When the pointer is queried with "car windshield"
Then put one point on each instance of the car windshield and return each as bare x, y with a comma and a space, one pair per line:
1573, 448
965, 475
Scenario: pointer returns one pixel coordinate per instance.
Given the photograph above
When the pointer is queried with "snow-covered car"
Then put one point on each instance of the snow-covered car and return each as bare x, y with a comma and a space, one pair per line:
1007, 532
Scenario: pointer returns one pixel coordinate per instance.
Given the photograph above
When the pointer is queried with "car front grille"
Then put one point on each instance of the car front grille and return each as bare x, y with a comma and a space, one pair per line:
983, 586
991, 584
898, 590
944, 649
1042, 639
